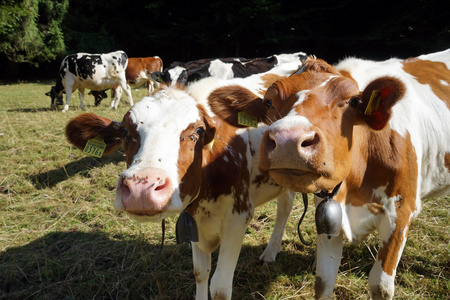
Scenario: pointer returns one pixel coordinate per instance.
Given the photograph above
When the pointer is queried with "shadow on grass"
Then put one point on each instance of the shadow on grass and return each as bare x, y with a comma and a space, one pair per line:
79, 265
30, 110
82, 166
72, 107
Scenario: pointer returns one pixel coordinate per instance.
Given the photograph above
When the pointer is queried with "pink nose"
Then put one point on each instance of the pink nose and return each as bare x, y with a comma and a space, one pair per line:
280, 148
299, 138
146, 192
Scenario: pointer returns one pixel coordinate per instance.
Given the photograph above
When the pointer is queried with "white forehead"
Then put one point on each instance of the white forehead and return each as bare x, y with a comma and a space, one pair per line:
301, 96
175, 73
170, 109
289, 57
291, 121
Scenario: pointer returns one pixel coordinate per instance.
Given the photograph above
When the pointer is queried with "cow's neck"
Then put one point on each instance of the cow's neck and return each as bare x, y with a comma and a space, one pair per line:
224, 165
59, 87
379, 158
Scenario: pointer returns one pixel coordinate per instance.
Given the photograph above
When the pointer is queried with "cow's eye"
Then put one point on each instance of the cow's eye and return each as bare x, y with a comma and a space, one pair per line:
126, 135
199, 131
124, 132
354, 101
268, 103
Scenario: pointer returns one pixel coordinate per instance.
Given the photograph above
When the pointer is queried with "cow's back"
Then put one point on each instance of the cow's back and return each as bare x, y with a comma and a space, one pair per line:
256, 83
85, 66
429, 115
422, 115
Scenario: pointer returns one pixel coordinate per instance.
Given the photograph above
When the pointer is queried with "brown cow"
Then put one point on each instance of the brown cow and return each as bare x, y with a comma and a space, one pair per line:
138, 72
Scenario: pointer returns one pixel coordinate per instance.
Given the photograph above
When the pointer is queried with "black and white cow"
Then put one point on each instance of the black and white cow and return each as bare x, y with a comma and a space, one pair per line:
223, 68
96, 72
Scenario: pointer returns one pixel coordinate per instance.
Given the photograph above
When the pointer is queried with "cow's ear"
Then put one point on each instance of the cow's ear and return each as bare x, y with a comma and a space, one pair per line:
318, 65
158, 76
227, 102
89, 126
210, 130
377, 101
272, 59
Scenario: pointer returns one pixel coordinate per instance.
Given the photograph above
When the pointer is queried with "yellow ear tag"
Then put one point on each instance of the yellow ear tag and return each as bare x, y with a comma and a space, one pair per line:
247, 119
374, 103
211, 144
95, 147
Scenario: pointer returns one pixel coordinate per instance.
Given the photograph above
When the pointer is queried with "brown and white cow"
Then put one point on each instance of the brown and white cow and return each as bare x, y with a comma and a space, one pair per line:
138, 72
185, 150
388, 155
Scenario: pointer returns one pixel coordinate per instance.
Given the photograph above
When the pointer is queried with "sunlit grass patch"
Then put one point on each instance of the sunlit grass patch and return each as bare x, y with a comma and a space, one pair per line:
60, 237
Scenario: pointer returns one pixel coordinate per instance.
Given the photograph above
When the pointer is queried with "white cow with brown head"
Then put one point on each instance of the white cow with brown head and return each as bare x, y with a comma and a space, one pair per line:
187, 152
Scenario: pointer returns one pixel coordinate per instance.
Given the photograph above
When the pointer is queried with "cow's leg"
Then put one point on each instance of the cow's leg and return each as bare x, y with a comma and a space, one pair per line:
284, 208
126, 88
328, 259
68, 95
393, 232
150, 87
234, 227
202, 269
81, 95
117, 92
53, 104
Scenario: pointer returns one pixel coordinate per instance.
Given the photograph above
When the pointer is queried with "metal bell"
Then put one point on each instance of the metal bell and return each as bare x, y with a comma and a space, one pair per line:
329, 217
186, 228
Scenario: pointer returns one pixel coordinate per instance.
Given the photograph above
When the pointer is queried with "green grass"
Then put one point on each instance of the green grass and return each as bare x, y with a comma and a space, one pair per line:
60, 238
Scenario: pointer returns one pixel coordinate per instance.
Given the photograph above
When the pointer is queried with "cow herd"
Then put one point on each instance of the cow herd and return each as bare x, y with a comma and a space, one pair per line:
216, 138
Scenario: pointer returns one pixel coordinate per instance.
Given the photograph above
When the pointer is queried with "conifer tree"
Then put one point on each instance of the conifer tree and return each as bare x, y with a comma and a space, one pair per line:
30, 30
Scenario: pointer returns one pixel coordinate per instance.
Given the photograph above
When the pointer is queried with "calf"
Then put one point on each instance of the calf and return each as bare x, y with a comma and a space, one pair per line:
223, 68
93, 71
98, 96
186, 151
380, 130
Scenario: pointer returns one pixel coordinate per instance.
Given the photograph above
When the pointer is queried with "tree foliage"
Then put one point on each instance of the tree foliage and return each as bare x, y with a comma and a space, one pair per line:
44, 30
30, 30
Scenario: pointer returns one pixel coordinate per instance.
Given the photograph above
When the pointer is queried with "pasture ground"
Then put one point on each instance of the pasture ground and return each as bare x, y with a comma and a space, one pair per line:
60, 238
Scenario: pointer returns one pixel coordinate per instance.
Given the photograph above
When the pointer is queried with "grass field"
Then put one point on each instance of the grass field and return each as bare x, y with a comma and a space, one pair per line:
60, 238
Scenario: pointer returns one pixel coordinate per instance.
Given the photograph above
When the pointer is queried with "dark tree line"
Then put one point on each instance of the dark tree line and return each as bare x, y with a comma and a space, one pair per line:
39, 33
